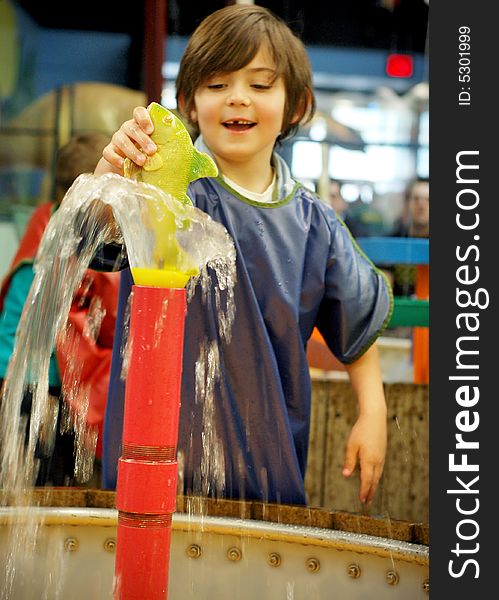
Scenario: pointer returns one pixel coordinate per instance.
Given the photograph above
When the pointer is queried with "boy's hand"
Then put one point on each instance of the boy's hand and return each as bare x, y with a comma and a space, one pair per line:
130, 141
367, 444
367, 441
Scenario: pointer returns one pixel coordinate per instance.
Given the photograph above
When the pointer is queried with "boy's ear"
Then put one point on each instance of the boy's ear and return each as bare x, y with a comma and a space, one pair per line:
303, 108
181, 106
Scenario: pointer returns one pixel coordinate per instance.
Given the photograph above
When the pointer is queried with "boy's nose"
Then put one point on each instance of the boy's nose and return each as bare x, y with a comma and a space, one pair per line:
236, 98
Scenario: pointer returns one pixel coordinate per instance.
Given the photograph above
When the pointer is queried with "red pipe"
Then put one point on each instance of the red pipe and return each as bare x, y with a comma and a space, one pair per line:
147, 470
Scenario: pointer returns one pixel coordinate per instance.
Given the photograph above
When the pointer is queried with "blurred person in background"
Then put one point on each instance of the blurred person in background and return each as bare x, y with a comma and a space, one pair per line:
341, 207
56, 459
362, 220
413, 280
335, 199
414, 222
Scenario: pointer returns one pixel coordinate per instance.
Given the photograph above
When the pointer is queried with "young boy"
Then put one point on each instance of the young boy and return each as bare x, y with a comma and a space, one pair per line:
245, 81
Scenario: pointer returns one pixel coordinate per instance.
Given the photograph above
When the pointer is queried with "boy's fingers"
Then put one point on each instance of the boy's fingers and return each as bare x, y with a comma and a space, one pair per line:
372, 490
133, 133
123, 146
366, 490
131, 140
143, 119
369, 483
350, 461
112, 157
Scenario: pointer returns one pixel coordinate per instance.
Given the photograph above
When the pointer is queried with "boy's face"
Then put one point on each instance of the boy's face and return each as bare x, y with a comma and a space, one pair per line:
240, 113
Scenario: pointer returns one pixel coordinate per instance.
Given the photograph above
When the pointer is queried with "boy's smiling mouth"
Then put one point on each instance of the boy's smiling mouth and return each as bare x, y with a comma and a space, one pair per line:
238, 124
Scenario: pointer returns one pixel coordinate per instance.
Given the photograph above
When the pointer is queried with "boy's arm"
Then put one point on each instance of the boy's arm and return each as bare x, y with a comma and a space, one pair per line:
367, 441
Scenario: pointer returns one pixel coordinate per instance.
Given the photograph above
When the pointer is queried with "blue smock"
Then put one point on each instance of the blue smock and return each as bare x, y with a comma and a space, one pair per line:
297, 267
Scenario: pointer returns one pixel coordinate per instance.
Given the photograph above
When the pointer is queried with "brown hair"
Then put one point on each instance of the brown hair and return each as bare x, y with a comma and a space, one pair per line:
229, 39
80, 155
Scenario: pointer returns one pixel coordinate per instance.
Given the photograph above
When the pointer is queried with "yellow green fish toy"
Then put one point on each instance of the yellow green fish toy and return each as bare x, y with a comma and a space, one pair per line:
176, 162
171, 168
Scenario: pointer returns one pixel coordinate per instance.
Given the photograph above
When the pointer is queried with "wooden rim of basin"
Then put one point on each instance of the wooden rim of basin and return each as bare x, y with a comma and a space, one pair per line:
339, 521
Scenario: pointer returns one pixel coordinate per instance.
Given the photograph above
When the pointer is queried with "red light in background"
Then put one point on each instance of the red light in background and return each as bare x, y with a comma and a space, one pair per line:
399, 65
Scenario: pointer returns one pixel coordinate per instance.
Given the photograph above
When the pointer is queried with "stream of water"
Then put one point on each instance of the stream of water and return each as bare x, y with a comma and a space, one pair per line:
78, 228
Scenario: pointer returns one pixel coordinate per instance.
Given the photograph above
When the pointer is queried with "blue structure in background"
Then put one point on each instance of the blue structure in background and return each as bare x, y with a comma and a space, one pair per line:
69, 56
410, 251
388, 250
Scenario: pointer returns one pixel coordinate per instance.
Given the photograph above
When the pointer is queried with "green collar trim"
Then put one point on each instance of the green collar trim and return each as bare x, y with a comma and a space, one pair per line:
274, 204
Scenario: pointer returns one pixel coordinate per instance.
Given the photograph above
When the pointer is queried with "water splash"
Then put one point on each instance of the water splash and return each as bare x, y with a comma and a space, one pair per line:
407, 456
159, 324
126, 340
75, 407
212, 460
79, 227
95, 316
